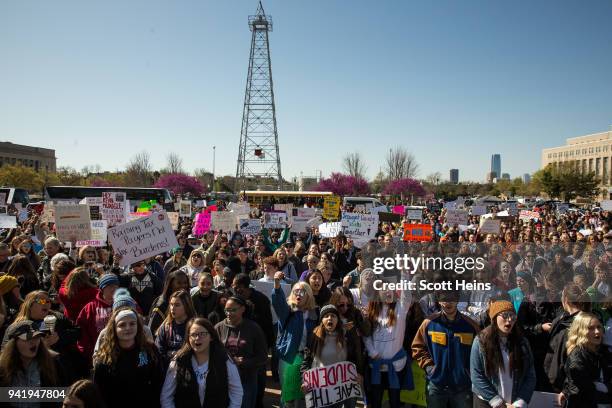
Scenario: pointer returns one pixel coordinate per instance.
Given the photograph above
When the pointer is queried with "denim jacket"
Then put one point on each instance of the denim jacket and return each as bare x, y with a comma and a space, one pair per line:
488, 387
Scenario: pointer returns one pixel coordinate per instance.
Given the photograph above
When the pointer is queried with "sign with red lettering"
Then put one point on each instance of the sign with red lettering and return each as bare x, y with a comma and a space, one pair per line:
417, 232
331, 384
113, 208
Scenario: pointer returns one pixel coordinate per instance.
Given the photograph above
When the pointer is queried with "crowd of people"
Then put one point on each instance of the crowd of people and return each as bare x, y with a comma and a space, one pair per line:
190, 328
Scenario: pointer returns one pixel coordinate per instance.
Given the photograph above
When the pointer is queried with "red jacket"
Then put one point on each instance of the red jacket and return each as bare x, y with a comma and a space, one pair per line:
73, 305
92, 320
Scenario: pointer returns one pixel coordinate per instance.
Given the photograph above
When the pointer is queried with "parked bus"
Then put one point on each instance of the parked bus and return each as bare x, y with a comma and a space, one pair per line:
134, 194
271, 197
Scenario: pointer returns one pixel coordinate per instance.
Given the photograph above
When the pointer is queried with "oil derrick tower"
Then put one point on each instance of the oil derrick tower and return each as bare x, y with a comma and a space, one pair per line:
258, 154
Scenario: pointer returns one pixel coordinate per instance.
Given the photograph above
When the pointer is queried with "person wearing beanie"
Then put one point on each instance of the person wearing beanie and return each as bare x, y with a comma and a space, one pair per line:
524, 291
497, 381
331, 344
10, 301
442, 348
7, 283
95, 314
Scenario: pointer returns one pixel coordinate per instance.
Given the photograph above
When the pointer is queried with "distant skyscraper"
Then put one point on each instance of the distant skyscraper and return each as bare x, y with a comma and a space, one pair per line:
505, 176
526, 178
454, 176
496, 165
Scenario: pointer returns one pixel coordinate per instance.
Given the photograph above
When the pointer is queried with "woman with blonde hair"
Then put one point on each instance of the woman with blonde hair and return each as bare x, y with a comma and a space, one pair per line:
297, 318
587, 372
194, 267
126, 360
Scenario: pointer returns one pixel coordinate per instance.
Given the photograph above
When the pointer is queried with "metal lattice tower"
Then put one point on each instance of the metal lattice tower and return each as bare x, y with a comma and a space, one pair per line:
258, 152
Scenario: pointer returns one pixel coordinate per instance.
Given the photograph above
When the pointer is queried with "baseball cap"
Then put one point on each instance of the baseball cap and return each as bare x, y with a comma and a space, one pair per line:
23, 330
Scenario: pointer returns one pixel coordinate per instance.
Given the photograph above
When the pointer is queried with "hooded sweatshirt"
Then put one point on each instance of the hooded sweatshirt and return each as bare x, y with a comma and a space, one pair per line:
73, 305
193, 273
92, 320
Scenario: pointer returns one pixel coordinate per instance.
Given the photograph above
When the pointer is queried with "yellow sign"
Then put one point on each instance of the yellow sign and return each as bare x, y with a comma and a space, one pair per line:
418, 395
331, 208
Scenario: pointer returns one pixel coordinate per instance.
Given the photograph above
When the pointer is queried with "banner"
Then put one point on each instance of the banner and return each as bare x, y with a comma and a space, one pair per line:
185, 209
113, 208
490, 226
360, 227
174, 219
331, 207
525, 215
273, 220
251, 226
298, 224
456, 217
479, 209
8, 221
283, 207
303, 212
417, 232
416, 214
331, 384
202, 224
142, 238
223, 221
137, 215
330, 229
72, 223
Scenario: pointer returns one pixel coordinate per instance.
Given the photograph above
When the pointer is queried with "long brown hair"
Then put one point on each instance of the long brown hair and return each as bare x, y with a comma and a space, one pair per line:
185, 299
319, 334
24, 309
490, 343
21, 266
76, 280
109, 345
10, 364
374, 309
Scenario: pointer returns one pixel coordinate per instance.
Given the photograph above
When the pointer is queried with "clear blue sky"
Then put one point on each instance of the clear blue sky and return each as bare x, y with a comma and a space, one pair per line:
452, 81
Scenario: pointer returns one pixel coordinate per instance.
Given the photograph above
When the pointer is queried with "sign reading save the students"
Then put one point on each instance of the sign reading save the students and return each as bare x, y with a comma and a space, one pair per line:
331, 384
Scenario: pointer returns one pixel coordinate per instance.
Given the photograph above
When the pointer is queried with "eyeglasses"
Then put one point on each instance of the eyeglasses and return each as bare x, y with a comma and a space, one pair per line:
508, 315
298, 292
198, 335
197, 256
231, 310
42, 301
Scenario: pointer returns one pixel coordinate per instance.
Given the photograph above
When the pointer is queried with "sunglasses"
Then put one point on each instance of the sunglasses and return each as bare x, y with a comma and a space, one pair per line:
508, 315
42, 301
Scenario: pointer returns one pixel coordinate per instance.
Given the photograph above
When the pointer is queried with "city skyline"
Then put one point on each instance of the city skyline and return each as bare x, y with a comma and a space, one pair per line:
486, 78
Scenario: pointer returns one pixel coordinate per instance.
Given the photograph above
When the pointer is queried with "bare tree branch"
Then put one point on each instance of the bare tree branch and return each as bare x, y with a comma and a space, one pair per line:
175, 163
401, 164
354, 165
139, 169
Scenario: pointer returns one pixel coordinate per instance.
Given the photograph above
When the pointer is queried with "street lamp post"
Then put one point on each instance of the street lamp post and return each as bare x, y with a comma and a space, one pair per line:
213, 176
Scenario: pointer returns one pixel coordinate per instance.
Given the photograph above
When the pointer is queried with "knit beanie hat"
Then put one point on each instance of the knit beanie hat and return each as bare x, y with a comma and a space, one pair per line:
122, 298
108, 279
7, 283
329, 309
499, 306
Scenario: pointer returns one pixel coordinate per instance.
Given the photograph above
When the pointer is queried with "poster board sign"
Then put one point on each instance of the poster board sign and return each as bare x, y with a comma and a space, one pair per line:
418, 395
275, 220
200, 203
314, 222
72, 223
142, 238
90, 242
299, 224
283, 207
525, 215
251, 226
490, 226
114, 208
330, 229
185, 209
95, 207
303, 212
202, 224
456, 217
241, 209
99, 230
451, 205
174, 219
379, 209
136, 215
331, 385
417, 232
389, 217
331, 207
544, 400
398, 209
479, 209
606, 205
223, 221
267, 287
8, 221
48, 215
360, 227
416, 214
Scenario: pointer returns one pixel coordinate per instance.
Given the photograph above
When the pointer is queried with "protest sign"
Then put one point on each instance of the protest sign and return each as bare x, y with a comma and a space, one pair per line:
200, 203
98, 234
299, 224
314, 222
360, 227
95, 206
398, 209
542, 399
331, 385
113, 208
185, 209
267, 287
379, 209
606, 205
330, 229
275, 220
250, 226
283, 207
72, 223
136, 215
525, 215
417, 232
490, 226
174, 219
202, 224
8, 221
48, 214
331, 207
416, 214
240, 209
22, 216
389, 217
142, 238
479, 209
303, 212
456, 217
417, 395
451, 205
223, 221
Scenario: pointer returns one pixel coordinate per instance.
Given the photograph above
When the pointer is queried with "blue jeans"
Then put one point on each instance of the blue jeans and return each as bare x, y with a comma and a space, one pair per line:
438, 397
